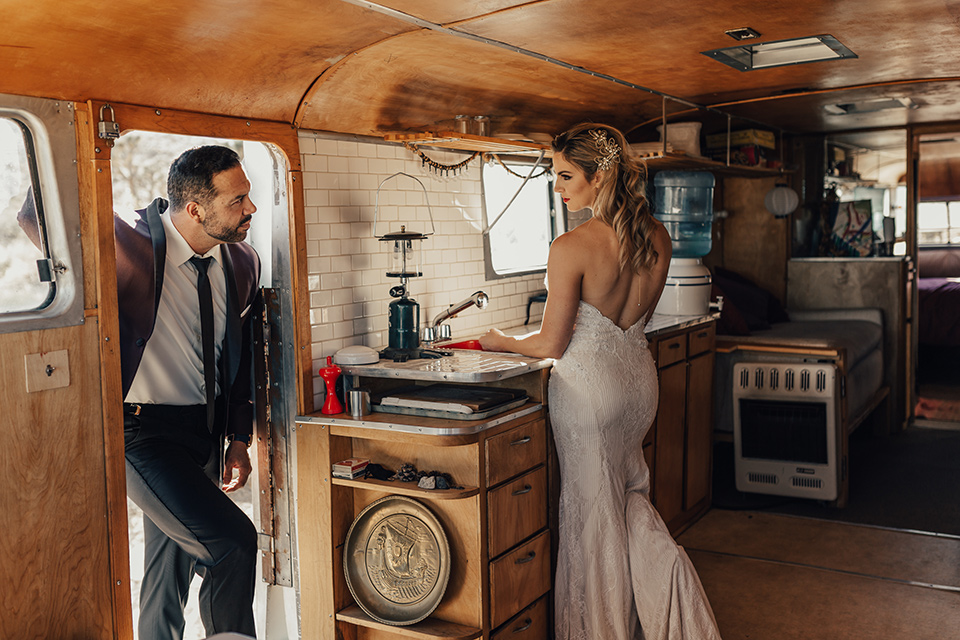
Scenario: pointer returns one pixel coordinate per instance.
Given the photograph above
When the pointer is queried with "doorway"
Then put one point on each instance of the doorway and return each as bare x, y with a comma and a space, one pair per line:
140, 161
938, 280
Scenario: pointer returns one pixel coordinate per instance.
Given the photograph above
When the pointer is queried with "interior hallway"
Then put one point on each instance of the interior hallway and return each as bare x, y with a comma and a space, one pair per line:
789, 577
886, 567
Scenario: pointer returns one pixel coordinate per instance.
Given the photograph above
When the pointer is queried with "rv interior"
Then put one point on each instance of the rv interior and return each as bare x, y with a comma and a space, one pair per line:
327, 101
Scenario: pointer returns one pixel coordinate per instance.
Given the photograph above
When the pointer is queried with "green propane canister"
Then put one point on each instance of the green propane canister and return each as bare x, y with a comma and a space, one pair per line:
404, 323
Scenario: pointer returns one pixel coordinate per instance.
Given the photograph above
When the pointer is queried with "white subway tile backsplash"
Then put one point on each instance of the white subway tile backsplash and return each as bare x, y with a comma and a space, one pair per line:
331, 280
349, 289
348, 148
326, 147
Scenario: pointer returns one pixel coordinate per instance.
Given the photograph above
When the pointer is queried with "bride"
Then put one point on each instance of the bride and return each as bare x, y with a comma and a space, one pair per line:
620, 575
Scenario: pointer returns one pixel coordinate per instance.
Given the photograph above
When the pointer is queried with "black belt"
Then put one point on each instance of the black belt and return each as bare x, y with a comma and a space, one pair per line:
163, 410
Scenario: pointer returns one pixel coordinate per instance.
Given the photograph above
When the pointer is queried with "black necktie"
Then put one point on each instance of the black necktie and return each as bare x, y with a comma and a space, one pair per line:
206, 334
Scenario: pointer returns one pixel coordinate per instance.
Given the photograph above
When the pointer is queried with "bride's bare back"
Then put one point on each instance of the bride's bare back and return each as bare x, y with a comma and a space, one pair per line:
621, 295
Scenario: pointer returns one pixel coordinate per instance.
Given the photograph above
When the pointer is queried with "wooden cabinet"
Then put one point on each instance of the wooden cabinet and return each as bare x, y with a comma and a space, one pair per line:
681, 443
496, 525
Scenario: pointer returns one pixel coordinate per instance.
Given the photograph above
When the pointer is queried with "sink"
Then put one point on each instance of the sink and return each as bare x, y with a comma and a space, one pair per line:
473, 345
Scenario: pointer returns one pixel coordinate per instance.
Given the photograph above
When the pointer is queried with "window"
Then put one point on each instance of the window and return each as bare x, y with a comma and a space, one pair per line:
938, 223
518, 241
21, 287
40, 266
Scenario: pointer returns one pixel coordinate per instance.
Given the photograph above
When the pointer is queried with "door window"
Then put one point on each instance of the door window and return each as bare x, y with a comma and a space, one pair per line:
40, 266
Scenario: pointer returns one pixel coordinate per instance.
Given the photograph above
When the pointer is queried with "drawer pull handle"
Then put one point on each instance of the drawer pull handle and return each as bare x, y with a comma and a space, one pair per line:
519, 492
703, 334
523, 440
675, 345
526, 625
529, 558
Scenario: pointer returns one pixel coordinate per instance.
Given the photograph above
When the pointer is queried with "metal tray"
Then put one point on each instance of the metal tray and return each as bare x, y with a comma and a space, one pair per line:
396, 559
450, 415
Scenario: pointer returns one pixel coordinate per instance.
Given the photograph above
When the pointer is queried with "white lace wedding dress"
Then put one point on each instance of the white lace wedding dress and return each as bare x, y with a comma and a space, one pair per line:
620, 575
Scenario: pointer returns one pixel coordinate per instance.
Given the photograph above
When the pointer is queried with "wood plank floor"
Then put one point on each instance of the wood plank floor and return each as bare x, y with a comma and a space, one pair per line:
786, 577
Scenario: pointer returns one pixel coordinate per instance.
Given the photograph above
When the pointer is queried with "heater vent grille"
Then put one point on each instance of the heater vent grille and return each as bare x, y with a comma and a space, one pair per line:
806, 483
763, 478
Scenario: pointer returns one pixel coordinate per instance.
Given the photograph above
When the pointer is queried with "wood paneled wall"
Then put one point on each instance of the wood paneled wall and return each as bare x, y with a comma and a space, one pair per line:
749, 240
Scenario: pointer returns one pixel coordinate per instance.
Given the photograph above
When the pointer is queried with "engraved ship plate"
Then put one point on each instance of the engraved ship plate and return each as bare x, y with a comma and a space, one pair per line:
397, 561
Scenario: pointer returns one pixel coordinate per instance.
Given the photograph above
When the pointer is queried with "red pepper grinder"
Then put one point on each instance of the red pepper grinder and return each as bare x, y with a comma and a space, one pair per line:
330, 373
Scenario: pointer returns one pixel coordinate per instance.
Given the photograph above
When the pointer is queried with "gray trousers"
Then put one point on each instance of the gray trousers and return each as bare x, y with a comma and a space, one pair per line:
190, 525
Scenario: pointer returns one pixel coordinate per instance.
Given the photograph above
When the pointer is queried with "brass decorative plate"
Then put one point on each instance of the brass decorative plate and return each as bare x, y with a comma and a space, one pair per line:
397, 561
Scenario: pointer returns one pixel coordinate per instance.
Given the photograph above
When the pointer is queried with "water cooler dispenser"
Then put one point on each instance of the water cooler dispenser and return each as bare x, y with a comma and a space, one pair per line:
683, 202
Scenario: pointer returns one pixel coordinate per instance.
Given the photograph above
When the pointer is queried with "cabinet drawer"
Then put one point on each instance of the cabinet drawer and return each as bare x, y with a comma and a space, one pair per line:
517, 510
530, 624
513, 452
519, 578
702, 339
671, 350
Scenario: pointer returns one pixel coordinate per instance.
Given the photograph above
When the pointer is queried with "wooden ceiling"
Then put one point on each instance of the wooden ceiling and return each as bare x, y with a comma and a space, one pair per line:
539, 66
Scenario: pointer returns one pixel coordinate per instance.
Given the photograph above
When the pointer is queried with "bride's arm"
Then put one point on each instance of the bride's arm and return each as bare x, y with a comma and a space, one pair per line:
564, 275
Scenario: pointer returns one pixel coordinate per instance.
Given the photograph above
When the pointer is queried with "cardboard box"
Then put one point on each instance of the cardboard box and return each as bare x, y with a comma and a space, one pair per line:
750, 155
741, 138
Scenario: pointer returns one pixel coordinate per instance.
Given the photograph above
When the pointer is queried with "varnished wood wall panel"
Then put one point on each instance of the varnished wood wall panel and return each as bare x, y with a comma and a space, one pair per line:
752, 242
54, 556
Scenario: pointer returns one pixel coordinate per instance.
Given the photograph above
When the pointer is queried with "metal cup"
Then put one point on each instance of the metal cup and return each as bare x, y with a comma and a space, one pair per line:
358, 403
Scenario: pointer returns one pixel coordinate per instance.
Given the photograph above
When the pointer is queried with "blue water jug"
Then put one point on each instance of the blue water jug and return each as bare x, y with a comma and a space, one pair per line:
683, 202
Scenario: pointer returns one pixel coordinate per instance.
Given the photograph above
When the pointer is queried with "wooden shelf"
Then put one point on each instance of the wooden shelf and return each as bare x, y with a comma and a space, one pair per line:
467, 142
674, 161
409, 489
428, 629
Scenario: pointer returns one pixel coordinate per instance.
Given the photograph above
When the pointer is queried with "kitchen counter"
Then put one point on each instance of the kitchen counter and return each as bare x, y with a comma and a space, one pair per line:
464, 366
660, 323
468, 366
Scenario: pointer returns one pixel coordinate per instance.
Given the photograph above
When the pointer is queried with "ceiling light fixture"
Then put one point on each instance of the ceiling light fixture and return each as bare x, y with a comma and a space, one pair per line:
766, 55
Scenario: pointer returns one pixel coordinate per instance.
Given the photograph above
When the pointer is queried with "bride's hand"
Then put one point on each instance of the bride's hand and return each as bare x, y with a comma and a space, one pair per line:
491, 340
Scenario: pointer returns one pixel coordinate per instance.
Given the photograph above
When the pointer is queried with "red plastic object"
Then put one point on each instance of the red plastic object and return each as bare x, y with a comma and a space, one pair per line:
463, 344
330, 373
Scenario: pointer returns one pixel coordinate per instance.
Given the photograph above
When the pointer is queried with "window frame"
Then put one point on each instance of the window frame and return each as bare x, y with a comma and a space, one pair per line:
556, 213
50, 137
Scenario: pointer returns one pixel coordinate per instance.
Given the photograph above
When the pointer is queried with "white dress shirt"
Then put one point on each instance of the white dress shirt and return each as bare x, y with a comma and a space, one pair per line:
171, 371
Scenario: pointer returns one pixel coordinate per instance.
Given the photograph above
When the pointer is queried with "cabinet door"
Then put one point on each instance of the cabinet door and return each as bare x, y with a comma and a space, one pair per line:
518, 578
699, 430
668, 486
513, 452
517, 510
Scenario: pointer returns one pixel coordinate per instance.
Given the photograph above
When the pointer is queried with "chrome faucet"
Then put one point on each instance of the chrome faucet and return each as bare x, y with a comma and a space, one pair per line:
439, 331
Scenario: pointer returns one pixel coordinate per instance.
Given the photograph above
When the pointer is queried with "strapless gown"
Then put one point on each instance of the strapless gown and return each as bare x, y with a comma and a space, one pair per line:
620, 575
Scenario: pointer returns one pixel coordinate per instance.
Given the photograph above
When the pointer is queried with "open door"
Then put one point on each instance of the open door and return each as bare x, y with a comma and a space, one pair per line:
61, 467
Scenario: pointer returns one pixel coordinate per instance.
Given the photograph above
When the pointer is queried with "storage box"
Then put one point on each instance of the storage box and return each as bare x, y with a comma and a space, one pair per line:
743, 137
750, 155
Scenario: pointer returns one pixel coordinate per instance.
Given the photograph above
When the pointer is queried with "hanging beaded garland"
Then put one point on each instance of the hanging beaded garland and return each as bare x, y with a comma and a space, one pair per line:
442, 170
511, 171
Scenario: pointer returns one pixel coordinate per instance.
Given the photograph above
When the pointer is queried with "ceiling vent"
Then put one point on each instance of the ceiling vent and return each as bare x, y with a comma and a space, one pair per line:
742, 33
766, 55
870, 106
